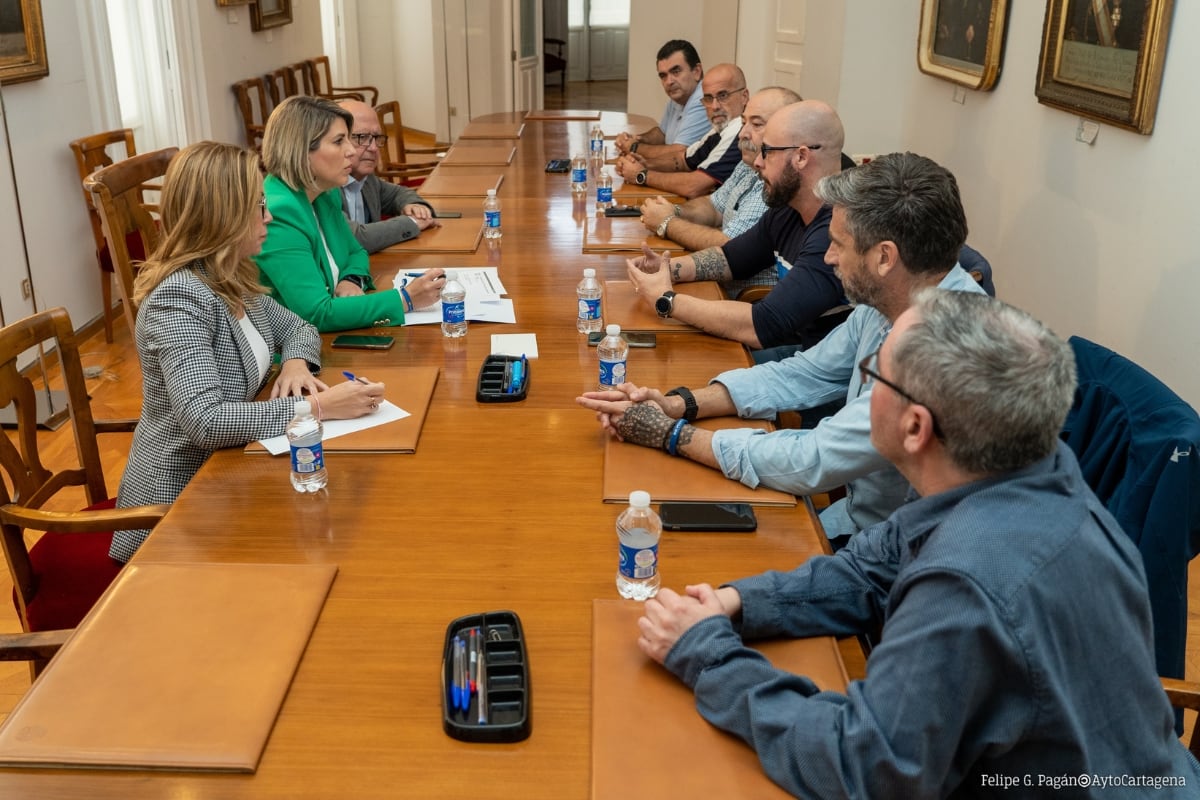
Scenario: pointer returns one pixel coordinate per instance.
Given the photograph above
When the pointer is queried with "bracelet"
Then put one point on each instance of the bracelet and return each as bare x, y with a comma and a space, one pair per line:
673, 442
317, 401
408, 305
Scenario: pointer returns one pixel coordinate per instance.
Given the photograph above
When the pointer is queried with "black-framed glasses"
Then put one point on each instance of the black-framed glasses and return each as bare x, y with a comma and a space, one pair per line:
720, 97
869, 368
262, 206
364, 139
767, 149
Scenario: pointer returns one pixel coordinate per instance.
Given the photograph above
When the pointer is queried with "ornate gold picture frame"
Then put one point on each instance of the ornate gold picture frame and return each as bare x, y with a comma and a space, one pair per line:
1104, 59
270, 14
22, 42
962, 40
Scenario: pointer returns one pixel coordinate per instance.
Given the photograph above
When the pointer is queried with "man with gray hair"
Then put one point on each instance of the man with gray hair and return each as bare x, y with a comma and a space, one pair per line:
1015, 650
897, 226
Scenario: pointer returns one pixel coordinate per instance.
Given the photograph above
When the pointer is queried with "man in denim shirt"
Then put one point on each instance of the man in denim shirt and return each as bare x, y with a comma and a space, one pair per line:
897, 226
1015, 656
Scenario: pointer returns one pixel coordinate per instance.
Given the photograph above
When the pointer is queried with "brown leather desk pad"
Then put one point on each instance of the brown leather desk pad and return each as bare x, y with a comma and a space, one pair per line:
666, 477
493, 130
680, 754
452, 236
178, 667
444, 184
627, 308
411, 388
630, 194
480, 156
624, 235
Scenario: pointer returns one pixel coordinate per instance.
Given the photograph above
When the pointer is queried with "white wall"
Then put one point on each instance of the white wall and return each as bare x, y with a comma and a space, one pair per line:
395, 54
1095, 240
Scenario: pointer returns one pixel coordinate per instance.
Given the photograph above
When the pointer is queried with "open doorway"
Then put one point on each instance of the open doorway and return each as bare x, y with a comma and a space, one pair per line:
598, 40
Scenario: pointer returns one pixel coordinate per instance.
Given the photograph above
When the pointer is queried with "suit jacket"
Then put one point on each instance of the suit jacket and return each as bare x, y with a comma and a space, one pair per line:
199, 381
384, 198
295, 267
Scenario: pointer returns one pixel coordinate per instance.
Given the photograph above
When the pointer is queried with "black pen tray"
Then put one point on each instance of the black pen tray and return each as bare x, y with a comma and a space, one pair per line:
495, 376
506, 669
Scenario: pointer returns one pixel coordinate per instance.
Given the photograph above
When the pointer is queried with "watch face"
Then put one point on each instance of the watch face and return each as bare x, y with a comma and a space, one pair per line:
641, 178
664, 304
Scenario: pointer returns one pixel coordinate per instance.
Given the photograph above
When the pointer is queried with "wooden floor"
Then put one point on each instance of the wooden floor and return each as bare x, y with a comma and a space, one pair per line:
116, 393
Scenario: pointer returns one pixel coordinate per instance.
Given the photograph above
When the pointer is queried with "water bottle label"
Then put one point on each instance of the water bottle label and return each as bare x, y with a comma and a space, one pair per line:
454, 313
589, 309
306, 460
597, 145
492, 218
579, 175
612, 373
638, 563
782, 266
604, 194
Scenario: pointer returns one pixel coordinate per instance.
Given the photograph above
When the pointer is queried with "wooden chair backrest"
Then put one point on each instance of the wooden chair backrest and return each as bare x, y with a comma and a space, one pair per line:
91, 153
393, 126
27, 482
117, 194
251, 97
301, 77
322, 83
280, 85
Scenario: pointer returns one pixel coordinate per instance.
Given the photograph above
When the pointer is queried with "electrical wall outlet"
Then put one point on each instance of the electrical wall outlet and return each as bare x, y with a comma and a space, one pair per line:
26, 289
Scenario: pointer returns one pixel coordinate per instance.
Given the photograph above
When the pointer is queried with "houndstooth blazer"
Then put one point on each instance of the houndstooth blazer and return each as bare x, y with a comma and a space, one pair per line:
199, 380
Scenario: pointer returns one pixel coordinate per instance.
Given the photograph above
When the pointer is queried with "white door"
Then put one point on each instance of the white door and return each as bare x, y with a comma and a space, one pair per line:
527, 55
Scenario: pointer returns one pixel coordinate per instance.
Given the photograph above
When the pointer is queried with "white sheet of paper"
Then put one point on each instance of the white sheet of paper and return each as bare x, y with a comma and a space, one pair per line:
515, 344
498, 310
387, 412
482, 283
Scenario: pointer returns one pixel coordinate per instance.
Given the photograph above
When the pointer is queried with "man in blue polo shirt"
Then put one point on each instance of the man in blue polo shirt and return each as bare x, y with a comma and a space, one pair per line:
683, 120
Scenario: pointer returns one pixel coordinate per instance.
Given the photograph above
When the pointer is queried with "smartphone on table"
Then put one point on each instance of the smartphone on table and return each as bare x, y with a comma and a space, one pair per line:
632, 338
355, 342
731, 517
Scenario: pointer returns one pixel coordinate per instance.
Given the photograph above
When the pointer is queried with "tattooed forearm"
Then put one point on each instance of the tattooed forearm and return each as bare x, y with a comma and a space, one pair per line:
685, 436
675, 268
711, 265
645, 424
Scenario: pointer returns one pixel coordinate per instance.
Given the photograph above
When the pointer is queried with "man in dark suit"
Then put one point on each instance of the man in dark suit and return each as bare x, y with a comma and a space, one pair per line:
380, 213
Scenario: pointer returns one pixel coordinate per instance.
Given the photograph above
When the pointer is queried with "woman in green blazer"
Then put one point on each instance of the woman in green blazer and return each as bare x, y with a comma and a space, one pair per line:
310, 260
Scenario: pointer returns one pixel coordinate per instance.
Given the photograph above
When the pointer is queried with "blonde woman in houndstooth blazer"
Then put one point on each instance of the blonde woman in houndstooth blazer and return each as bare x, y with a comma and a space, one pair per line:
206, 334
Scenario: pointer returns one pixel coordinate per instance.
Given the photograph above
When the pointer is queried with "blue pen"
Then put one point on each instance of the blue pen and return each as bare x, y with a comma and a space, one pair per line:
517, 374
351, 377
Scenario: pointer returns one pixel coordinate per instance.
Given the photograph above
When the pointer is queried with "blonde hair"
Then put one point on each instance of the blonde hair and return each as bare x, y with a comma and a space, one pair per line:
294, 130
211, 193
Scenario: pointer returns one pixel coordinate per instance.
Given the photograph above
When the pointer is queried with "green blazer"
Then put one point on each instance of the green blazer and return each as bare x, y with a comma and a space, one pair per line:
294, 266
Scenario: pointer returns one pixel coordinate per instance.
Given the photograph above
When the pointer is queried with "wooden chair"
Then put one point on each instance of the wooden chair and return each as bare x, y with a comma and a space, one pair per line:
1186, 695
554, 61
280, 84
91, 153
38, 647
125, 217
251, 97
322, 83
395, 165
58, 579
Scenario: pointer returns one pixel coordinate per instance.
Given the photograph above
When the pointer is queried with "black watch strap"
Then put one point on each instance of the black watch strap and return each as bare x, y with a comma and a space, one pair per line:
358, 280
690, 407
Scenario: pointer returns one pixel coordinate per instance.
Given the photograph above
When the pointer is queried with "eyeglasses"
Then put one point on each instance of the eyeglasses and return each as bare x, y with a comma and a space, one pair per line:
719, 97
767, 149
262, 206
868, 368
365, 139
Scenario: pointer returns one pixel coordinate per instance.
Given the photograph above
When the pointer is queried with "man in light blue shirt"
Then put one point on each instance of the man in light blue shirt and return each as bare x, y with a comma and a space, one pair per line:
684, 120
897, 227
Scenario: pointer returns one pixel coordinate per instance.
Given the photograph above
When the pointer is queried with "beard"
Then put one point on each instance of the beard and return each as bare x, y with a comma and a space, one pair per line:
859, 287
780, 192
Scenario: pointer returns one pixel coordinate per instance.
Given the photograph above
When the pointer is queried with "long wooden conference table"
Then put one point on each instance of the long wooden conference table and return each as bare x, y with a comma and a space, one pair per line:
499, 508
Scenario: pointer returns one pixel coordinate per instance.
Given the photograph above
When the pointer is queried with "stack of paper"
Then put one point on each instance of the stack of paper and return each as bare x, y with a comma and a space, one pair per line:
484, 300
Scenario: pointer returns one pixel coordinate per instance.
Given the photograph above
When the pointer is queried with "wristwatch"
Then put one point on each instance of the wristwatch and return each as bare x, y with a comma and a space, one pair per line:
357, 280
633, 147
640, 178
690, 407
665, 304
662, 226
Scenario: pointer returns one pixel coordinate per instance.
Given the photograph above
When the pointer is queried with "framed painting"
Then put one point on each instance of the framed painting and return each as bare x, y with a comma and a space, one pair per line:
22, 42
1104, 59
962, 40
270, 14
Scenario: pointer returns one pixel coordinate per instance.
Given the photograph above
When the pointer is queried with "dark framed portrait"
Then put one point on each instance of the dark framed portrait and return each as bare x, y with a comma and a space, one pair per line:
22, 42
962, 40
1104, 59
270, 14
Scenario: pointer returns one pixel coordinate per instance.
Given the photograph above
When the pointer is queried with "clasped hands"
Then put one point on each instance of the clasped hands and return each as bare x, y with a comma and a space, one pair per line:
634, 414
629, 165
422, 215
649, 273
669, 615
345, 400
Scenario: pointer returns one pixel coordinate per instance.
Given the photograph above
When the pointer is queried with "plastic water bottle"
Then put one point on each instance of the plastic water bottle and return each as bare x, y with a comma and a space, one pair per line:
603, 190
614, 353
589, 292
579, 174
596, 142
454, 307
491, 216
308, 458
638, 531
